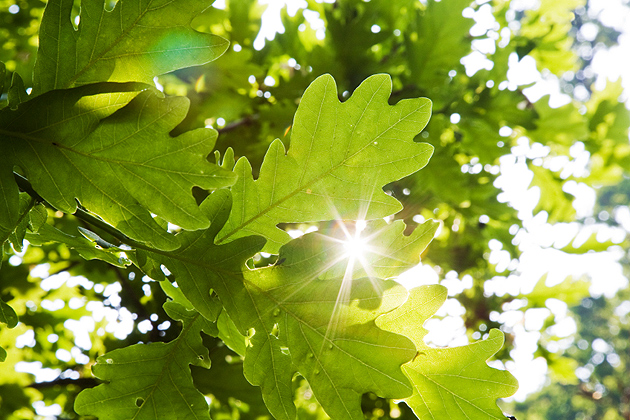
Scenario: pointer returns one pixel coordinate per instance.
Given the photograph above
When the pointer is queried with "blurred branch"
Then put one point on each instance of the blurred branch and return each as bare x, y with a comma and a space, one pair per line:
236, 124
81, 382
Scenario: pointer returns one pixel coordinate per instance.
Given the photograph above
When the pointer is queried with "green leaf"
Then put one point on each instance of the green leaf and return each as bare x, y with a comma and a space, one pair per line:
153, 381
449, 383
295, 320
571, 291
553, 199
88, 249
13, 226
135, 41
385, 251
436, 41
226, 382
9, 317
17, 93
3, 72
109, 147
341, 156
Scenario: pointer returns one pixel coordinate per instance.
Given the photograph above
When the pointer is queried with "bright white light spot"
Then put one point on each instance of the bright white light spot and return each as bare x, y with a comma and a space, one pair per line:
78, 356
583, 373
588, 31
295, 233
601, 346
355, 247
291, 62
251, 79
25, 340
476, 61
220, 122
237, 47
164, 270
147, 290
219, 4
14, 8
418, 218
52, 305
63, 355
484, 46
157, 84
15, 260
35, 368
271, 23
270, 81
505, 131
81, 330
455, 118
419, 275
375, 29
145, 326
76, 303
47, 410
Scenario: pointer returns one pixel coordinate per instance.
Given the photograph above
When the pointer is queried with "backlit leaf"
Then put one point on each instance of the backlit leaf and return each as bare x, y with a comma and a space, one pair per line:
86, 248
135, 41
153, 381
449, 383
121, 163
9, 317
295, 320
341, 156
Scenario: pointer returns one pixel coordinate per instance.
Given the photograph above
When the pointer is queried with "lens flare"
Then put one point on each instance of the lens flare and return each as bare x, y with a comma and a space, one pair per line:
354, 245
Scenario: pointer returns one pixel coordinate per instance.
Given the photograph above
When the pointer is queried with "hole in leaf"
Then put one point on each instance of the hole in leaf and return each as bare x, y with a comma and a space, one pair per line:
139, 402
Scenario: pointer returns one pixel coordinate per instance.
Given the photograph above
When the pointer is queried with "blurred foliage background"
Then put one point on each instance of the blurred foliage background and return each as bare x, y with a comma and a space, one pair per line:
524, 129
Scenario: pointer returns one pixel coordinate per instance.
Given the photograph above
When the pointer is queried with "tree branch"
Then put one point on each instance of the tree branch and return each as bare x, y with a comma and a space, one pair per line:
236, 124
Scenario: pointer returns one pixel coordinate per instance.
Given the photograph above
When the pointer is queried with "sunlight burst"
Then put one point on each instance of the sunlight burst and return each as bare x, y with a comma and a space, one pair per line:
354, 245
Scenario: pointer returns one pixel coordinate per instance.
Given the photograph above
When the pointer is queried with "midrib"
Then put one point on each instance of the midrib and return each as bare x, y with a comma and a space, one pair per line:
92, 62
305, 185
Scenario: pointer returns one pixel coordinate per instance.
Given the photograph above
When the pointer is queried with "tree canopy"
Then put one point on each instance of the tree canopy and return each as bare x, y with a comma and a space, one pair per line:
200, 222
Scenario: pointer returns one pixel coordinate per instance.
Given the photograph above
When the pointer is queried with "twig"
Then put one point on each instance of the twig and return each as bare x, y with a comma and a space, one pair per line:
236, 124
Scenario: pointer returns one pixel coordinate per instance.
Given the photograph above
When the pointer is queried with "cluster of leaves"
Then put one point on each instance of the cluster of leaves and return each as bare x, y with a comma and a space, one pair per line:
95, 138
